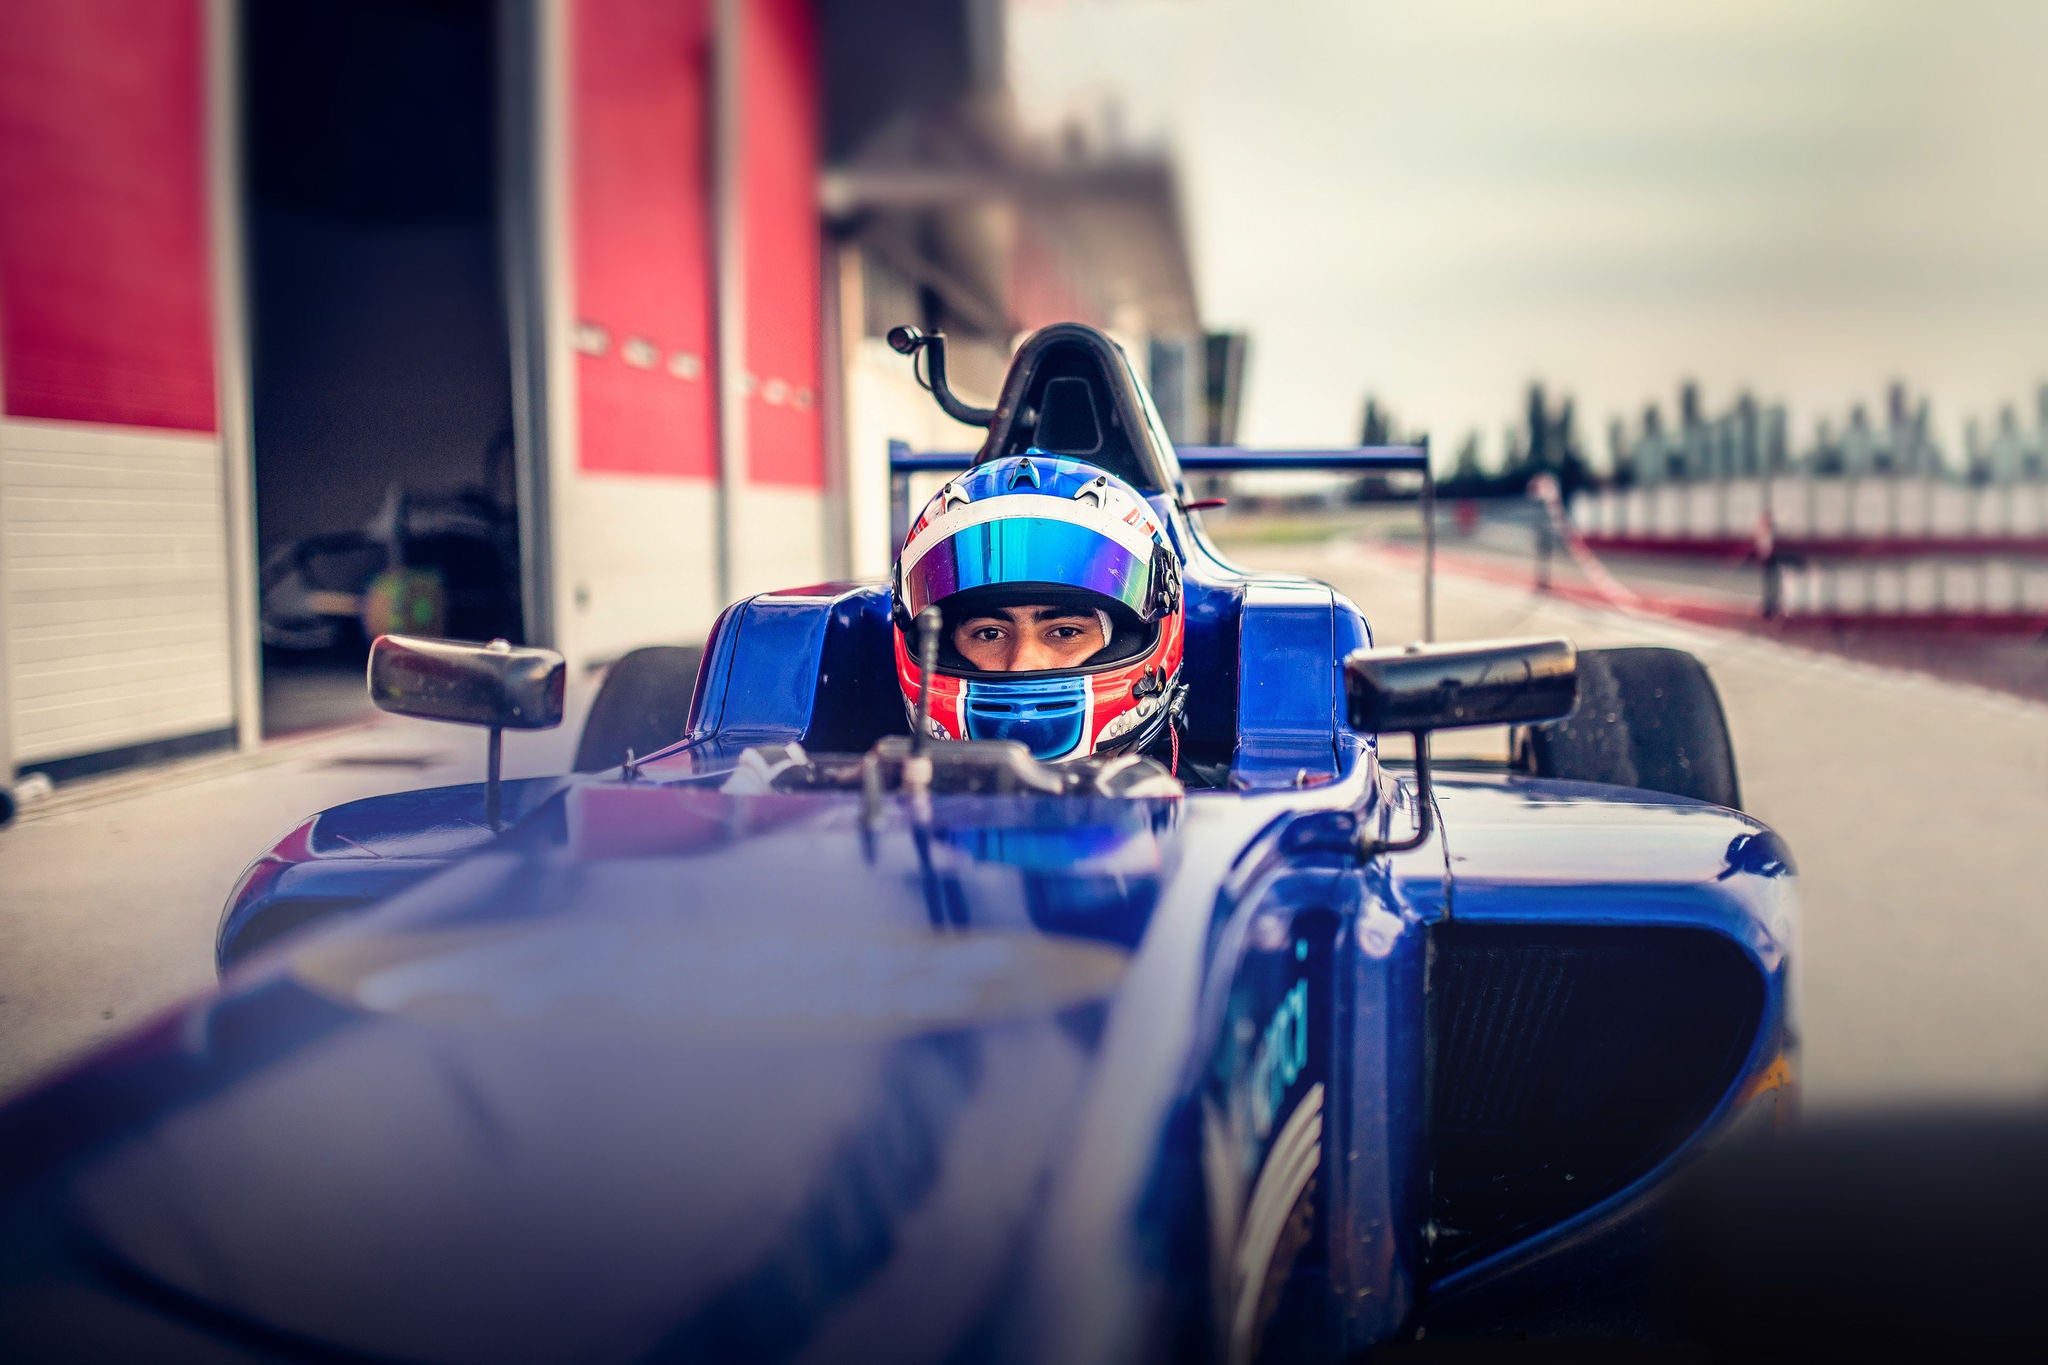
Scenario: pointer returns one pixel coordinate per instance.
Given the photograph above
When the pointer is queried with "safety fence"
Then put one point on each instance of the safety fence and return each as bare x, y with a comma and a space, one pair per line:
1906, 554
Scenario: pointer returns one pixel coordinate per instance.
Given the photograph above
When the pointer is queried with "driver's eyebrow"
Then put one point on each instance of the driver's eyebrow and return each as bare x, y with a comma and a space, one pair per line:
1042, 615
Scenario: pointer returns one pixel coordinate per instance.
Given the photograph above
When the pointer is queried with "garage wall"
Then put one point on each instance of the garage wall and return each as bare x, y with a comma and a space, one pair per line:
114, 607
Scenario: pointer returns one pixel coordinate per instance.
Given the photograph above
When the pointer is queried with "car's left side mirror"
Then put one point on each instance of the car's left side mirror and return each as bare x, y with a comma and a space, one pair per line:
1449, 687
1421, 688
495, 685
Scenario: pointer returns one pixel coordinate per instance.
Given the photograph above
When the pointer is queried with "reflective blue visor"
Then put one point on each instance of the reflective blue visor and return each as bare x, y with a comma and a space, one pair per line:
1027, 549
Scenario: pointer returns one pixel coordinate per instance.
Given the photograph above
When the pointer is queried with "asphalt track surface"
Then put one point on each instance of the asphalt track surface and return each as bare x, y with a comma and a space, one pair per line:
110, 892
1917, 809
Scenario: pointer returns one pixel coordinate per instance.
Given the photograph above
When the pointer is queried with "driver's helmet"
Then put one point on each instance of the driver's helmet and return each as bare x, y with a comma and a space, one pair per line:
1037, 529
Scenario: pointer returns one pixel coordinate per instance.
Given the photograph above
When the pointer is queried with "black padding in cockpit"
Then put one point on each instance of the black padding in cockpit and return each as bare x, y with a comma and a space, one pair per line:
1070, 390
1067, 420
1070, 407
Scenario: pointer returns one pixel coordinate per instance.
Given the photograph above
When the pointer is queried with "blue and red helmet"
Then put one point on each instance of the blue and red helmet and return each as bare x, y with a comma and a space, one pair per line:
1038, 528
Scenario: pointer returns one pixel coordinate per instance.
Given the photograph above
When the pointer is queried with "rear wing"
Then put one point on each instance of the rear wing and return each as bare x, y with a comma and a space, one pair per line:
1412, 459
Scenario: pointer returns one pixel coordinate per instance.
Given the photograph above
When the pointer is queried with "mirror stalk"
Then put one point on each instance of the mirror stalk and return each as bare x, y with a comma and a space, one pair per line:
1425, 810
494, 762
917, 769
909, 341
494, 759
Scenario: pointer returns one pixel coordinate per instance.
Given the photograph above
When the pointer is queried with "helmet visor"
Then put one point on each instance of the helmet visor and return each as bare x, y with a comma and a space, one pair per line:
1035, 550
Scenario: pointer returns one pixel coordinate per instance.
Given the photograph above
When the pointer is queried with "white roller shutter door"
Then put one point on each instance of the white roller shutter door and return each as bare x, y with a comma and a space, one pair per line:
113, 588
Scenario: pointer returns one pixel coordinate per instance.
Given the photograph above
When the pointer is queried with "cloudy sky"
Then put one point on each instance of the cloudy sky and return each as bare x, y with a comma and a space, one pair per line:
1437, 202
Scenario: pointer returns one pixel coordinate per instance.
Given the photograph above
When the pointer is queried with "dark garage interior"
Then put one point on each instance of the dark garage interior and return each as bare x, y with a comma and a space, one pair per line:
381, 381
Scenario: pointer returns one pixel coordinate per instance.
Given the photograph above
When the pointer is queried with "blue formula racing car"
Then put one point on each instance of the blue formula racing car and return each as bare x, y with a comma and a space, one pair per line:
825, 1034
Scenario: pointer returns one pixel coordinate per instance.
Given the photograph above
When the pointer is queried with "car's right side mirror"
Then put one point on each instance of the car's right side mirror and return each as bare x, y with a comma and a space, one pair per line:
1421, 688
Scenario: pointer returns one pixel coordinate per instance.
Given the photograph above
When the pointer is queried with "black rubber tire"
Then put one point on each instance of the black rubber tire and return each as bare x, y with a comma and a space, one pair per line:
643, 706
1647, 718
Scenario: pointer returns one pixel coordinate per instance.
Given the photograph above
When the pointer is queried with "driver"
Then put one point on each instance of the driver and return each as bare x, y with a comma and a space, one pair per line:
1061, 608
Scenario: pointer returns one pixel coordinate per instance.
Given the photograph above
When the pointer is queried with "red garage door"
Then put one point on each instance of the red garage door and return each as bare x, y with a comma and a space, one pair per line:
640, 217
642, 223
105, 313
785, 437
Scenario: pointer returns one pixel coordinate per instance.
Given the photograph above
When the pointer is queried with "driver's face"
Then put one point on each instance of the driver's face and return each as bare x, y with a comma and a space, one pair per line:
1024, 639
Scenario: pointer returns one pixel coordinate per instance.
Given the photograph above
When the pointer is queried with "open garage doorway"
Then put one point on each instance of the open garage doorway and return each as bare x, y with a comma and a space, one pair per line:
381, 375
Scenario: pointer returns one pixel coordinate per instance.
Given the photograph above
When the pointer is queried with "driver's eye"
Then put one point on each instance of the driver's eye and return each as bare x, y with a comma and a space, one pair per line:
1066, 632
988, 635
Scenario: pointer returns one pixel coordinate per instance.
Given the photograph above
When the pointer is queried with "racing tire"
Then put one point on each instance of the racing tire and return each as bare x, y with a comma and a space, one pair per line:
1647, 718
643, 705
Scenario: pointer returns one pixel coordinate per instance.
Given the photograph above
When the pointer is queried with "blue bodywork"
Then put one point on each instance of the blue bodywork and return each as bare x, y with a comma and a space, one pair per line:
666, 1072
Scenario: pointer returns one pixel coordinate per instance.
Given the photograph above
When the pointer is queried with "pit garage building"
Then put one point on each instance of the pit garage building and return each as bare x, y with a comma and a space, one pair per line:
623, 264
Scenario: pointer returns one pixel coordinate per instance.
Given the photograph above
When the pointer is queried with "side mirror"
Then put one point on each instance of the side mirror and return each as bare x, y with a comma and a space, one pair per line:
492, 685
1448, 687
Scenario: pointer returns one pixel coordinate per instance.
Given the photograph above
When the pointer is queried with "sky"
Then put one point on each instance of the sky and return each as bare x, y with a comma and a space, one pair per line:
1437, 203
